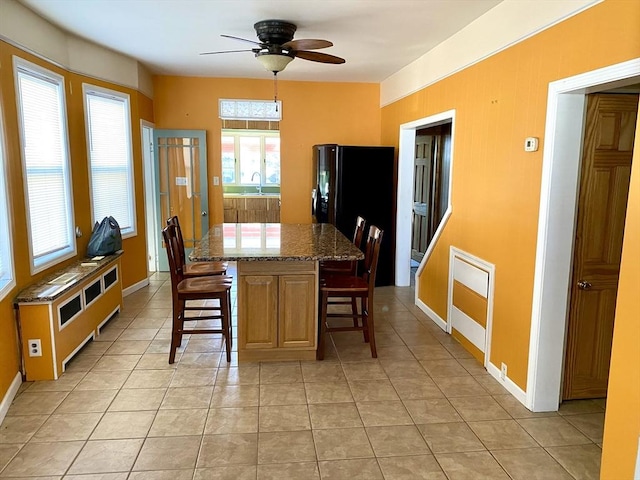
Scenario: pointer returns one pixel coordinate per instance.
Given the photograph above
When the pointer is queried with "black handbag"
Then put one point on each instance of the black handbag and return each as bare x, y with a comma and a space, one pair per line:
105, 239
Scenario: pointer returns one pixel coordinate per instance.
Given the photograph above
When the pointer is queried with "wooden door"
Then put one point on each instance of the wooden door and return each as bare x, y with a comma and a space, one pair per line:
432, 166
602, 203
421, 191
181, 184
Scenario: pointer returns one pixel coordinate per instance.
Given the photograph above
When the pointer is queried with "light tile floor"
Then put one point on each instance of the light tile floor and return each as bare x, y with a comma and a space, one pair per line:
425, 409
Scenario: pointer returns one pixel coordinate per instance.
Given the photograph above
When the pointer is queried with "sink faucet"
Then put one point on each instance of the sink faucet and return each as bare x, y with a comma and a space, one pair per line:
260, 179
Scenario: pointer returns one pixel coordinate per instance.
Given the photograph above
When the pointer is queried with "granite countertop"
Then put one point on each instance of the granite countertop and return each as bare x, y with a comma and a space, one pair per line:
47, 289
274, 242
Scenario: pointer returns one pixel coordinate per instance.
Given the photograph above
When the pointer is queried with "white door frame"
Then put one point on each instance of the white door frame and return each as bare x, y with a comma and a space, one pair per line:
150, 214
556, 225
404, 211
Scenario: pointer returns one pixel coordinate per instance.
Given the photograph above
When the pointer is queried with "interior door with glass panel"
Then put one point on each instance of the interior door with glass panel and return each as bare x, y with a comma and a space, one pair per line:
181, 184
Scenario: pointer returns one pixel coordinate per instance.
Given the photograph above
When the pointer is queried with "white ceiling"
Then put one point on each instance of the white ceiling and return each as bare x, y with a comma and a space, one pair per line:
376, 37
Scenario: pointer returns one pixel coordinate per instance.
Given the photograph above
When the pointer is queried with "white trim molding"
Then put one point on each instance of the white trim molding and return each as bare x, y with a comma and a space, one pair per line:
135, 287
507, 383
9, 396
478, 275
437, 319
556, 225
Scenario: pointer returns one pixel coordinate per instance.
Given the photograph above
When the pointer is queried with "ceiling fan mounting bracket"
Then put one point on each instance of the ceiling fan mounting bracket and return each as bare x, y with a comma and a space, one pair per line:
275, 31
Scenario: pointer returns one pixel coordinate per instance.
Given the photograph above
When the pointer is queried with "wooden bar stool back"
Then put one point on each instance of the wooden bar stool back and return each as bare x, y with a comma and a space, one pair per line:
217, 287
352, 287
333, 267
198, 269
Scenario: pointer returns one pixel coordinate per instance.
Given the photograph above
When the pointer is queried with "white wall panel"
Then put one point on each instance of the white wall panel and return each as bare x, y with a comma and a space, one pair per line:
472, 277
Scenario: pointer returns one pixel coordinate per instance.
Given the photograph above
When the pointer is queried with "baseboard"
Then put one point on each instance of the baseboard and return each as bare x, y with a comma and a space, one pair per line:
135, 287
507, 383
431, 314
10, 395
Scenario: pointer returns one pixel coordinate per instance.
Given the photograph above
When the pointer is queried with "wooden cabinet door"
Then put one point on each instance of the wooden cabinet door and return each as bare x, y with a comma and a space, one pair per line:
259, 297
272, 216
230, 215
252, 216
297, 311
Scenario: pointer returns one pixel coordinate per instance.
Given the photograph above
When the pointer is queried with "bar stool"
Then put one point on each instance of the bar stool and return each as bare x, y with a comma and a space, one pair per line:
353, 287
333, 267
216, 287
198, 269
336, 267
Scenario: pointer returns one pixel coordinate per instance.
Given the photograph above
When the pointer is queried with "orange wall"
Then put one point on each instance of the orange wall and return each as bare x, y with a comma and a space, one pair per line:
622, 422
312, 113
496, 185
134, 259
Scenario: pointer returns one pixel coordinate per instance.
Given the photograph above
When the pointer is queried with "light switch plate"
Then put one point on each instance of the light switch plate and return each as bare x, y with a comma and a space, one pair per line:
531, 144
216, 181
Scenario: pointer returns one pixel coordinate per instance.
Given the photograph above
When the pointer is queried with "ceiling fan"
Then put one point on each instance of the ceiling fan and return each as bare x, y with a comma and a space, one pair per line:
276, 47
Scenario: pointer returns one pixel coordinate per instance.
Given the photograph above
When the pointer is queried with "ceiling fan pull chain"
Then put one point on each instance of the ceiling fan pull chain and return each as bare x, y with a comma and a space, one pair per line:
275, 89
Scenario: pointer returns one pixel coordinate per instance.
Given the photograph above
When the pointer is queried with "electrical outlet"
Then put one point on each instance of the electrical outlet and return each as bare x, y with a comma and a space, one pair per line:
35, 347
503, 371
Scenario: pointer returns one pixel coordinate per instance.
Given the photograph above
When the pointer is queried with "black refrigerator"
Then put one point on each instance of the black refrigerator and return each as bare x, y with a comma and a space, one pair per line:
352, 181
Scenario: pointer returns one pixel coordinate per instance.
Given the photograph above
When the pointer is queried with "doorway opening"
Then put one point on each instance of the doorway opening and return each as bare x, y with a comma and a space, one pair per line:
430, 185
556, 225
404, 273
150, 213
181, 185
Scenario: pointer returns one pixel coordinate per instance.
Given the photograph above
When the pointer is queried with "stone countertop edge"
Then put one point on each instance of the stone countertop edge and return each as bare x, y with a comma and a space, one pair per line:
296, 242
251, 195
274, 258
30, 293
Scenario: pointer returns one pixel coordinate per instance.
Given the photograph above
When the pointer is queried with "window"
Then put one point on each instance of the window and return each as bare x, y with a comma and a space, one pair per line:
250, 157
45, 161
6, 255
110, 158
250, 109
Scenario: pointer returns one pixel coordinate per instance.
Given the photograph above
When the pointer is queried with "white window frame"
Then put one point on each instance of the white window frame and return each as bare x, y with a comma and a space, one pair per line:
262, 134
88, 89
46, 261
6, 248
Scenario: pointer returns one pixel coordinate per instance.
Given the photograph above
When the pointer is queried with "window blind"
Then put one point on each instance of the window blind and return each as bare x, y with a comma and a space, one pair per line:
46, 166
111, 170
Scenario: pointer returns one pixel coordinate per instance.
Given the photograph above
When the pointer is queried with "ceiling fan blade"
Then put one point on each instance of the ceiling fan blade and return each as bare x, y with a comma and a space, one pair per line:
241, 39
318, 57
307, 44
225, 51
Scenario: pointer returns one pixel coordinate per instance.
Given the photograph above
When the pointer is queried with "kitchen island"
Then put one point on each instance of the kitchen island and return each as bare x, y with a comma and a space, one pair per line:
278, 267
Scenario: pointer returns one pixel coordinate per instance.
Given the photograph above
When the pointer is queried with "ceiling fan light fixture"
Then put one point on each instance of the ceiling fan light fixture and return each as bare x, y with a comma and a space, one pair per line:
274, 62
